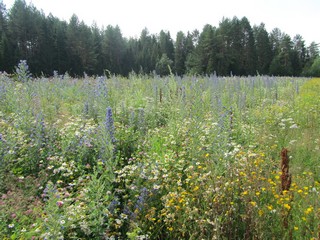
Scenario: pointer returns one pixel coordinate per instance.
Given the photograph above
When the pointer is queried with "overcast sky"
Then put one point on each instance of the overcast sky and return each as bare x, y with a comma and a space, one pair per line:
291, 16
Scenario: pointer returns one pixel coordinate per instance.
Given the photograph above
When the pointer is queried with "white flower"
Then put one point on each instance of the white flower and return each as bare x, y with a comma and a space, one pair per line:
294, 126
11, 225
236, 149
314, 190
292, 142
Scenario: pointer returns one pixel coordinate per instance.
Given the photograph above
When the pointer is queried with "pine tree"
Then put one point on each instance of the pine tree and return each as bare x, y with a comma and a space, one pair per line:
263, 49
248, 53
23, 31
166, 44
113, 49
148, 53
202, 60
275, 37
298, 55
48, 44
225, 43
97, 49
4, 44
282, 62
164, 65
312, 54
180, 53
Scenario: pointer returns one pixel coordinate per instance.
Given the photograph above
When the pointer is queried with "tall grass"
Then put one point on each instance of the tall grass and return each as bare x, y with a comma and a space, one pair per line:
159, 158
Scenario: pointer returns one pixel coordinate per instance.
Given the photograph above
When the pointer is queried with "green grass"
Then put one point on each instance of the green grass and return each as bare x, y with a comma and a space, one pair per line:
193, 158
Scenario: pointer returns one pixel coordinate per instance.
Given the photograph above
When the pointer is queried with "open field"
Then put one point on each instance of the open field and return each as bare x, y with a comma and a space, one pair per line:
160, 158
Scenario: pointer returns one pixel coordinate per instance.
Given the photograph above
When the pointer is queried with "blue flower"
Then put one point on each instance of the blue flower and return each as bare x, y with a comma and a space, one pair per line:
22, 71
110, 125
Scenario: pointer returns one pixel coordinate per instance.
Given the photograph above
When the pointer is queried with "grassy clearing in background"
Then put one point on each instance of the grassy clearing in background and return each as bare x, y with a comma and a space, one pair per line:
159, 158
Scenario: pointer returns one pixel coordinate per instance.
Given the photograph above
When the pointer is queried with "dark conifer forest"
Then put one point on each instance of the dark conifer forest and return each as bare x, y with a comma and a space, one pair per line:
234, 47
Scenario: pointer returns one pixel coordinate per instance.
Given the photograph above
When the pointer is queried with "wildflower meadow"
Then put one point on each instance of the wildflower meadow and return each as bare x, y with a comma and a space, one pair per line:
149, 157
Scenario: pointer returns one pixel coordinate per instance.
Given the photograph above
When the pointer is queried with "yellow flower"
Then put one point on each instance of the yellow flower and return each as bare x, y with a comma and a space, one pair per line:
287, 206
271, 182
295, 228
253, 203
270, 207
309, 210
245, 193
260, 212
170, 229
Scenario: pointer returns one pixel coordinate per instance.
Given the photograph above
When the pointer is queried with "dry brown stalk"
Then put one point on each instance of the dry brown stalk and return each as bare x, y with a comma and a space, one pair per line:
285, 185
285, 176
160, 95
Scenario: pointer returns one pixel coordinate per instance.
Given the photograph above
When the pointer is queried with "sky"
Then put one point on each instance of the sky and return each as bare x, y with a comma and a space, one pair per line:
132, 16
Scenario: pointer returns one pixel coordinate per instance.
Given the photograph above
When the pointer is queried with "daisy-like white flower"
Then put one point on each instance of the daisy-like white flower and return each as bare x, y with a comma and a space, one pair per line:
294, 126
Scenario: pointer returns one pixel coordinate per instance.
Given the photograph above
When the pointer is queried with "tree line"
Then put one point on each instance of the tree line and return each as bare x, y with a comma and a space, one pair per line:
234, 47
